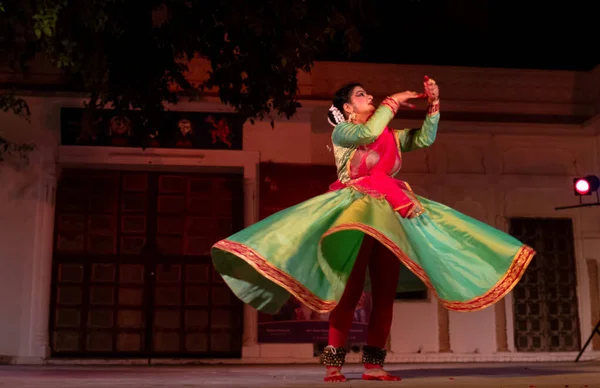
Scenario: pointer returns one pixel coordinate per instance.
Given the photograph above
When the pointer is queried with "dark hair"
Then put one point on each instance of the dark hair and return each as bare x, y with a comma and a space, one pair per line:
341, 97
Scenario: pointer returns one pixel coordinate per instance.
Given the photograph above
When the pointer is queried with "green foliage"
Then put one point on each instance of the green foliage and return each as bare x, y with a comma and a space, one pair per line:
10, 102
127, 54
21, 151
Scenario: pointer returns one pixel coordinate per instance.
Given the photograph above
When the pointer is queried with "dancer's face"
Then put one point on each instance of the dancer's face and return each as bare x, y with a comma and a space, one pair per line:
360, 103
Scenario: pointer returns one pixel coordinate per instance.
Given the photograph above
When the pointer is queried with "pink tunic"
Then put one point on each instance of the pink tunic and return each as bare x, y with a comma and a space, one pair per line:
372, 169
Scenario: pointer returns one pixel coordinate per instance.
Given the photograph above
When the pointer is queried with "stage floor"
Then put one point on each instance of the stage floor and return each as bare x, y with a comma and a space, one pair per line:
582, 374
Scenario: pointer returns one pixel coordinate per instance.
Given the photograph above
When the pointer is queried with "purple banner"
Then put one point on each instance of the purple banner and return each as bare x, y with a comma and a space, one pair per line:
296, 323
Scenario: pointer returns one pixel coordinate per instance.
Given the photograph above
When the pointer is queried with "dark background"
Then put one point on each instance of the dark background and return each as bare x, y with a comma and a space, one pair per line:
485, 33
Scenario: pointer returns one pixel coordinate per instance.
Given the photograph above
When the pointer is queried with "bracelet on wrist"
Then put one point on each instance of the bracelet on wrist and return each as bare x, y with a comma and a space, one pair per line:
433, 107
392, 104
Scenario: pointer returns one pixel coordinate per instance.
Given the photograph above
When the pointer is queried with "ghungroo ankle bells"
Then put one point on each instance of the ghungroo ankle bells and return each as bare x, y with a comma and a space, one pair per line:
333, 356
373, 355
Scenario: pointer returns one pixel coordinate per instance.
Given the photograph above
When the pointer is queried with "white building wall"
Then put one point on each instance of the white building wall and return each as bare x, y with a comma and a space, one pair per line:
491, 171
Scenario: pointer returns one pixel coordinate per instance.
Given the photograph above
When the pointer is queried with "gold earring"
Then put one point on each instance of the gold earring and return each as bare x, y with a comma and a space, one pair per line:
352, 117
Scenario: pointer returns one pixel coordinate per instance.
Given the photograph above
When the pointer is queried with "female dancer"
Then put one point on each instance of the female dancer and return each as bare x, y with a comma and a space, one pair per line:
320, 249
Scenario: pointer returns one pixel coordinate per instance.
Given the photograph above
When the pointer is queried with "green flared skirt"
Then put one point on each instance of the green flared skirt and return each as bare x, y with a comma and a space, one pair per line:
309, 250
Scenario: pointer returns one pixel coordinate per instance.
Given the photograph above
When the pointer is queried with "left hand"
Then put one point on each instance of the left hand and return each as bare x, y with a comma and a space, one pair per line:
431, 90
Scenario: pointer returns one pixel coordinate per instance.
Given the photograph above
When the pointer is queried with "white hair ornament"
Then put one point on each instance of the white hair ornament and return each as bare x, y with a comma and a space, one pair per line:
337, 116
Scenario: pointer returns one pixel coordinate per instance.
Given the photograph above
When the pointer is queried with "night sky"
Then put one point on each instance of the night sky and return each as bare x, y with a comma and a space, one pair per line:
514, 34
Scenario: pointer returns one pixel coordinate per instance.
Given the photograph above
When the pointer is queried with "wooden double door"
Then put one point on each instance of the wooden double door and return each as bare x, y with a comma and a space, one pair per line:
132, 273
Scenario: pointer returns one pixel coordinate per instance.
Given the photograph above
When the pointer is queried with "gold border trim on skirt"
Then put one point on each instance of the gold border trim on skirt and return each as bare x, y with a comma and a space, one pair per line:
510, 278
276, 275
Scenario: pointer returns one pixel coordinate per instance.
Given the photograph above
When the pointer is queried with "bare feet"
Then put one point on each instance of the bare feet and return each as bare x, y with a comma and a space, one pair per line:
333, 374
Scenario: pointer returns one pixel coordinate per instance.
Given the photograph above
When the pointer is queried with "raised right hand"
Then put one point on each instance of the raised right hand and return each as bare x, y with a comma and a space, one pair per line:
402, 97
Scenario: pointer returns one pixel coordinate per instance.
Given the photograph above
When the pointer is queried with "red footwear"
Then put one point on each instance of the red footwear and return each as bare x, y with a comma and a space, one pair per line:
335, 377
381, 378
333, 358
